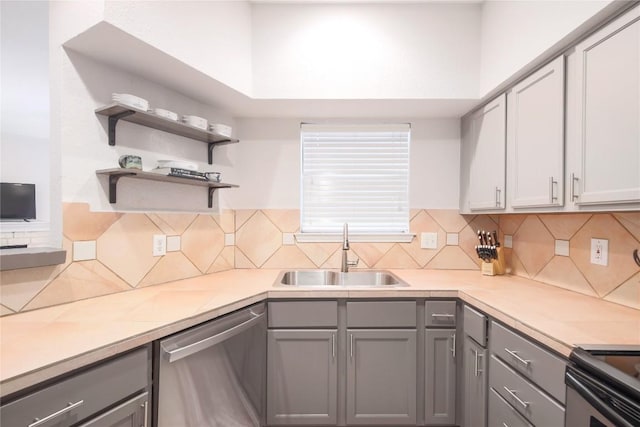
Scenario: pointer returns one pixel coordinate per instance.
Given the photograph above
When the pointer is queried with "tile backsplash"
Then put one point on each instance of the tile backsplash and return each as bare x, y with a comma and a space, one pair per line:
112, 252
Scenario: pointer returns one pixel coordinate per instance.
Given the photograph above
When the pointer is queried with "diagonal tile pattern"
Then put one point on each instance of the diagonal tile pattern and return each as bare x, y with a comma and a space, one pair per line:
125, 261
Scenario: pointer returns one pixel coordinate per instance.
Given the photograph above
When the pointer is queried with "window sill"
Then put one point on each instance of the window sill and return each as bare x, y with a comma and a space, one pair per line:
354, 238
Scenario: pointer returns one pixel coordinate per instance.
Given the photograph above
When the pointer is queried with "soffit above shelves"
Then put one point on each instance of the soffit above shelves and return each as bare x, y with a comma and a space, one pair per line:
104, 43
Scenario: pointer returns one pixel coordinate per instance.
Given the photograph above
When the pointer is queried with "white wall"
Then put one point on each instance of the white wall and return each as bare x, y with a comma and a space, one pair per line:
87, 85
366, 50
24, 105
267, 163
213, 37
516, 32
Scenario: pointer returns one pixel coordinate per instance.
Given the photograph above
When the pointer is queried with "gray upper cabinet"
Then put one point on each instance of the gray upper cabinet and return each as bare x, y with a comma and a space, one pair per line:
302, 374
606, 116
535, 139
440, 377
381, 377
483, 158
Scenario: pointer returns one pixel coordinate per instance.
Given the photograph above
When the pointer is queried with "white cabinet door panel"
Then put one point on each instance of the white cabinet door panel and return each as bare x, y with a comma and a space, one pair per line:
608, 120
488, 151
535, 126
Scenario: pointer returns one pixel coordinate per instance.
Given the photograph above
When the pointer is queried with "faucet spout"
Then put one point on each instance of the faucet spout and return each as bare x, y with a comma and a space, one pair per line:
345, 249
345, 237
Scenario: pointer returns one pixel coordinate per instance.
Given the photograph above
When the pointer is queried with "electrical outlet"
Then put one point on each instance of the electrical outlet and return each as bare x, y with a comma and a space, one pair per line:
599, 251
429, 240
159, 244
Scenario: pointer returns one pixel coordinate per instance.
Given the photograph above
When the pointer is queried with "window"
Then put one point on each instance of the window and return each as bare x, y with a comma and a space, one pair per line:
357, 175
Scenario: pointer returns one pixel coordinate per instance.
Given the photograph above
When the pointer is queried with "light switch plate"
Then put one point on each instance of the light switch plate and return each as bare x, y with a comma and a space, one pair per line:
429, 240
600, 252
159, 244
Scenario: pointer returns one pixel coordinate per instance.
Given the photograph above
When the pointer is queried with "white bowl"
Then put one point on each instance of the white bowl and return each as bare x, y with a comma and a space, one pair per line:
131, 101
196, 121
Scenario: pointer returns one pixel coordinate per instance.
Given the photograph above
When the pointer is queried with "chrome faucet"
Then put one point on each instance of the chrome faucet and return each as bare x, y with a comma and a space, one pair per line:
345, 248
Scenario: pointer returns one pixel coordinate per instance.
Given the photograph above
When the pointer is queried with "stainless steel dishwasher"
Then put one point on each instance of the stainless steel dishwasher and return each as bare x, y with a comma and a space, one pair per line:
214, 374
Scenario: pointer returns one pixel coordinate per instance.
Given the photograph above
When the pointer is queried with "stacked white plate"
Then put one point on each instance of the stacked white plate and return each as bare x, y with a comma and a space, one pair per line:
220, 129
166, 114
177, 164
130, 101
196, 121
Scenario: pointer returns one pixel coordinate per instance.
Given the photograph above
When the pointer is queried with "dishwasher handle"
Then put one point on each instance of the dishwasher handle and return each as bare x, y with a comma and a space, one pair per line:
189, 349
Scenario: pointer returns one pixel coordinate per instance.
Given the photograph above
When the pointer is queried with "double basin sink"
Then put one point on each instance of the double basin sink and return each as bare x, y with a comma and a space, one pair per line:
311, 278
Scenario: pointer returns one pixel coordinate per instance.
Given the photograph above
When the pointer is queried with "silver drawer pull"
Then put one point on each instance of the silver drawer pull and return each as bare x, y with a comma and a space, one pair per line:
515, 396
453, 345
514, 354
443, 315
36, 422
505, 425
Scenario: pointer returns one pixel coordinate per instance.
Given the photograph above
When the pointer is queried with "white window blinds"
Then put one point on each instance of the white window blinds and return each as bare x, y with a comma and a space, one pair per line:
355, 174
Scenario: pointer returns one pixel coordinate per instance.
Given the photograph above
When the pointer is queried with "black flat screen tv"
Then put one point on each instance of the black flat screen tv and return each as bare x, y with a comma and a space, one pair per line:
17, 201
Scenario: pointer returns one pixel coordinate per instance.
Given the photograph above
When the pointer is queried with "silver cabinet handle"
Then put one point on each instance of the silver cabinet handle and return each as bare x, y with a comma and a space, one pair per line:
515, 396
333, 346
351, 345
70, 406
552, 198
146, 413
498, 202
453, 346
514, 354
505, 425
443, 315
574, 178
475, 369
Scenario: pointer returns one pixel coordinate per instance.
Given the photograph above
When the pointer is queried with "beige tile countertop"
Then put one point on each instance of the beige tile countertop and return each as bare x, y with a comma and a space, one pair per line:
41, 344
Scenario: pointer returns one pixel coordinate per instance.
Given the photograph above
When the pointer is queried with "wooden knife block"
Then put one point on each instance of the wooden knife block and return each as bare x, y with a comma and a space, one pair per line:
496, 267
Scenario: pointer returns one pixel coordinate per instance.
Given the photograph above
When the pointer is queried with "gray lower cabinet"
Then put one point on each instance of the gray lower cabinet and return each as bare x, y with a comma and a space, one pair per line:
302, 373
132, 413
440, 377
381, 377
475, 380
116, 389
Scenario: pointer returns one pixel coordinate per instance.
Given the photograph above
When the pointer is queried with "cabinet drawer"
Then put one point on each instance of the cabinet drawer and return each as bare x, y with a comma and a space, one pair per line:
303, 314
381, 314
502, 414
527, 399
475, 325
440, 313
531, 360
88, 392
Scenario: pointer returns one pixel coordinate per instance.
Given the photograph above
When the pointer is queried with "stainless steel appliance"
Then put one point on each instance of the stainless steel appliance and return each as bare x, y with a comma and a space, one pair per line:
213, 375
603, 389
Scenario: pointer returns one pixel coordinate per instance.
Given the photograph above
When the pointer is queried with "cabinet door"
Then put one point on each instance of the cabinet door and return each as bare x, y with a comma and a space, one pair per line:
301, 377
608, 114
487, 168
440, 377
535, 130
475, 384
381, 377
132, 413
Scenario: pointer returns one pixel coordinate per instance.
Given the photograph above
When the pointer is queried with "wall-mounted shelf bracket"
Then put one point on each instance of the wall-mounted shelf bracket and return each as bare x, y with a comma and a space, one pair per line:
113, 186
113, 121
211, 191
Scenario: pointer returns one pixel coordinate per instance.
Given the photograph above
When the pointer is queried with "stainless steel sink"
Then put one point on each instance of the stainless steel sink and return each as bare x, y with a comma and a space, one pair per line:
309, 278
